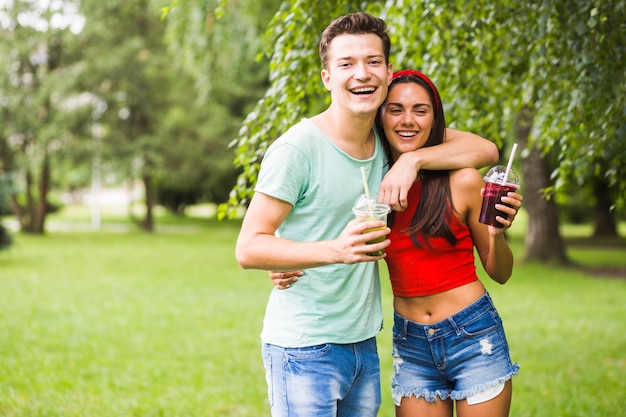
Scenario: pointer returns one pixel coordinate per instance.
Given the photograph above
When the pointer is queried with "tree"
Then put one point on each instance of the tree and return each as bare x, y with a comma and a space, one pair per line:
158, 126
512, 68
543, 240
198, 164
39, 66
116, 97
126, 69
217, 44
604, 222
558, 65
5, 236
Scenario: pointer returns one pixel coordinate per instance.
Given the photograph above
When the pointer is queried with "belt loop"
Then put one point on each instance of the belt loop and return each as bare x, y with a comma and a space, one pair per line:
456, 328
405, 328
488, 297
401, 325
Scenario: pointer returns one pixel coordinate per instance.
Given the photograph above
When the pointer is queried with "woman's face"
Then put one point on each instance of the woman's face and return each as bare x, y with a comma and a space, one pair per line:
408, 117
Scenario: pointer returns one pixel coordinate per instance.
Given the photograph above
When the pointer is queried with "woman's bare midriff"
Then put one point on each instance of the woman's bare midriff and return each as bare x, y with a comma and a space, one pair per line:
433, 308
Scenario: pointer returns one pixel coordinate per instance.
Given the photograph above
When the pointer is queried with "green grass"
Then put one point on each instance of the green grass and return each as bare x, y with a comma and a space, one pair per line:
128, 324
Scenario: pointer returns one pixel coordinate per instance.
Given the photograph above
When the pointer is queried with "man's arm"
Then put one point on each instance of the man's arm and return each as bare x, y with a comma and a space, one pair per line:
258, 247
460, 150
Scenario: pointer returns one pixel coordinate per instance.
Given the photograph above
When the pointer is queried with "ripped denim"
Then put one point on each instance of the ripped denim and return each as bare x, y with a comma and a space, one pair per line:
455, 358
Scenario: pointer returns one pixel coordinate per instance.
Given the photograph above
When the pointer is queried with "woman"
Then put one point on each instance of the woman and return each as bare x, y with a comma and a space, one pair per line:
448, 341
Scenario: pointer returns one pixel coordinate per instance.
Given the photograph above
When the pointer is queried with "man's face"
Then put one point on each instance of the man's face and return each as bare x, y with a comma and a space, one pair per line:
357, 75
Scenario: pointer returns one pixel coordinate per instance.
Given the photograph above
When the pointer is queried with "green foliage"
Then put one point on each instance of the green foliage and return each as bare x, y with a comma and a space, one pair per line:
165, 10
119, 98
563, 60
217, 44
197, 165
290, 43
35, 92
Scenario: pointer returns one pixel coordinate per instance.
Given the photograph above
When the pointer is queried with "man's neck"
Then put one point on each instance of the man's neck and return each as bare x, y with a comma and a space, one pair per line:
351, 132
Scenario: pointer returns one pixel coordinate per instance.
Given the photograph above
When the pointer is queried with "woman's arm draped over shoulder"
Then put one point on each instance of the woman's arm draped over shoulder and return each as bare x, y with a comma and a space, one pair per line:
460, 150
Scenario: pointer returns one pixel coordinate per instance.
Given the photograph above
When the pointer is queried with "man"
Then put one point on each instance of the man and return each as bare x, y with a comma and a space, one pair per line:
319, 346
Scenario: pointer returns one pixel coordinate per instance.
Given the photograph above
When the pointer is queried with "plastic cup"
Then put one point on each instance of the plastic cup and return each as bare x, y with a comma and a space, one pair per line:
495, 189
367, 210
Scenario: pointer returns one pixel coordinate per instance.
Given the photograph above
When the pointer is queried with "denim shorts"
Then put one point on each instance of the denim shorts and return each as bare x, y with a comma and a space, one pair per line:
456, 358
329, 380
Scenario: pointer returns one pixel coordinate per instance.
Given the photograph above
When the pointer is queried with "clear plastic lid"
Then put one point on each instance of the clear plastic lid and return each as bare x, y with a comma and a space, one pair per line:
496, 174
362, 204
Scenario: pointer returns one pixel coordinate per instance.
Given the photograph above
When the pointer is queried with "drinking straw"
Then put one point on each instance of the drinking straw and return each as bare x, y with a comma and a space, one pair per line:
367, 190
364, 178
508, 167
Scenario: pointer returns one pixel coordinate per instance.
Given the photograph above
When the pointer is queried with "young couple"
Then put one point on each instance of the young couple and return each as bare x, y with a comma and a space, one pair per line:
318, 339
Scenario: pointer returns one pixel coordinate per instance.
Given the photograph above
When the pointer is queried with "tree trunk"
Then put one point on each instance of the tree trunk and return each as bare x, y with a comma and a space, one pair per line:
6, 155
604, 224
33, 218
543, 241
148, 222
39, 220
26, 220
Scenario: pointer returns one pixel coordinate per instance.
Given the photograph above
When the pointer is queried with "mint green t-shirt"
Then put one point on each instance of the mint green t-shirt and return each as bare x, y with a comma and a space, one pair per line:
335, 303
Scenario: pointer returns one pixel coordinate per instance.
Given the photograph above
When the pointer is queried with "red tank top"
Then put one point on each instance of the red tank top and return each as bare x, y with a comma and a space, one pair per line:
416, 272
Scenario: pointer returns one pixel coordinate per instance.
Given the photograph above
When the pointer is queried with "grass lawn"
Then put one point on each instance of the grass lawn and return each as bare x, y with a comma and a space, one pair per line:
128, 324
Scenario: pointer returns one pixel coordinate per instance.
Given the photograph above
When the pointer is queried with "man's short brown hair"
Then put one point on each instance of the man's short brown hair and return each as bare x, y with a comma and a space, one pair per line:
351, 24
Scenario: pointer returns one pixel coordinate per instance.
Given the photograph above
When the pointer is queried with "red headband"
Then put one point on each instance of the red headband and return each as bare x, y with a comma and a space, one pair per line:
420, 75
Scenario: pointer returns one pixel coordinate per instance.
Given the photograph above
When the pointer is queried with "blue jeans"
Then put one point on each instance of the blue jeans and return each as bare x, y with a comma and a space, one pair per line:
328, 380
458, 357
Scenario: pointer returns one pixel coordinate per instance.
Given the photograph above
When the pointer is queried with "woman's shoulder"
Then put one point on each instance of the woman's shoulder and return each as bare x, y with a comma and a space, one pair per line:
466, 178
465, 185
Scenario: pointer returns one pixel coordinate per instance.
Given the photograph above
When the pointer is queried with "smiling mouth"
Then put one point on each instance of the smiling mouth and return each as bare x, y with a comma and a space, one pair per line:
363, 90
406, 133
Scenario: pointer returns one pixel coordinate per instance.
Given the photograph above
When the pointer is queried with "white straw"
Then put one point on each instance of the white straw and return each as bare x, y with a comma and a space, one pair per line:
367, 190
508, 167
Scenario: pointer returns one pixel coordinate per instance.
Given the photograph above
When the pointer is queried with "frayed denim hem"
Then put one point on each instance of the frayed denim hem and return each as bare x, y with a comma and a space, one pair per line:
461, 395
397, 393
